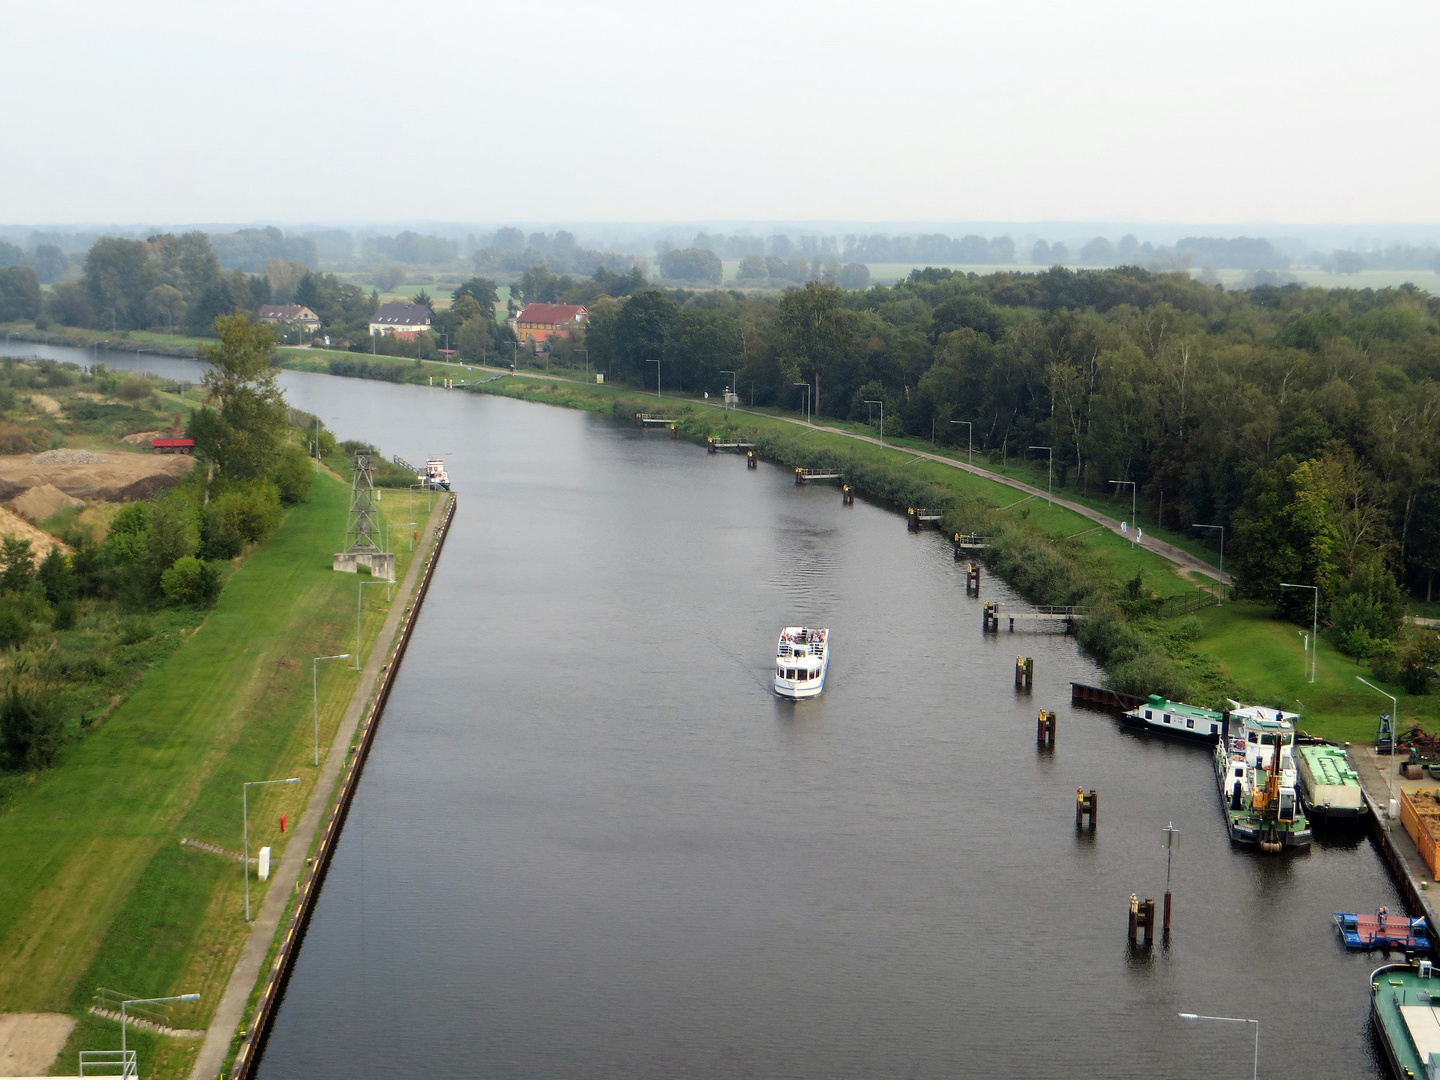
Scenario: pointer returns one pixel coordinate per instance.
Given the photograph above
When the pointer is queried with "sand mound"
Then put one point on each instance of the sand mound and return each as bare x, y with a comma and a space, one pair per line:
45, 403
39, 503
12, 524
85, 475
143, 438
66, 457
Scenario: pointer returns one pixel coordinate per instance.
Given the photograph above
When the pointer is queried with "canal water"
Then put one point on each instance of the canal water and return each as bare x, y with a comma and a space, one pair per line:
590, 842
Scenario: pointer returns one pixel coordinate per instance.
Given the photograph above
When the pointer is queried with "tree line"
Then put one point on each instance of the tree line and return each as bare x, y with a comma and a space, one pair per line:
1305, 421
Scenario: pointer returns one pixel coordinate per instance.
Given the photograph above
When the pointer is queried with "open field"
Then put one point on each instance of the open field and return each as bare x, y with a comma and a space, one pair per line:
98, 890
1264, 656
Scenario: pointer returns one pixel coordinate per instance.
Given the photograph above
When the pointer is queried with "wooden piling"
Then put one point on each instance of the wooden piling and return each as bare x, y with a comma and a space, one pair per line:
972, 579
989, 616
1045, 729
710, 444
912, 519
1086, 806
1142, 920
751, 461
1134, 916
799, 477
847, 495
1024, 672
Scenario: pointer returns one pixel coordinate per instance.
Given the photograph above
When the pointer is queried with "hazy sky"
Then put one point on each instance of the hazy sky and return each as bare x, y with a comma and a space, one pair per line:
1269, 111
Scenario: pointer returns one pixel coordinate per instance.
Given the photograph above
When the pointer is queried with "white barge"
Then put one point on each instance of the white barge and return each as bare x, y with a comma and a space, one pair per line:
802, 657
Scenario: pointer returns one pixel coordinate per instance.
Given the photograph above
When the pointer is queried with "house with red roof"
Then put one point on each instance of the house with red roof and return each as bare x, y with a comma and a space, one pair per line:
541, 321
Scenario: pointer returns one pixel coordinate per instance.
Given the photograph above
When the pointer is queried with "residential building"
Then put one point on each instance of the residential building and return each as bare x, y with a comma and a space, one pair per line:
540, 321
290, 313
400, 320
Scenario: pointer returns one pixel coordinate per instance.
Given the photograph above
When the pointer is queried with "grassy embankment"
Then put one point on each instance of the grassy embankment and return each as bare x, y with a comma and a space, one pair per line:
98, 891
149, 341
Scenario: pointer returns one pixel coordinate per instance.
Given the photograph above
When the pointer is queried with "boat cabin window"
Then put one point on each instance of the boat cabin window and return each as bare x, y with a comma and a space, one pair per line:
1149, 715
1254, 737
1271, 740
1166, 718
1189, 721
1214, 729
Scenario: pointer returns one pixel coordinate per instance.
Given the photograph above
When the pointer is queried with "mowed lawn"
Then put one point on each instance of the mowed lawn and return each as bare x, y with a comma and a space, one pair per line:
95, 887
1265, 657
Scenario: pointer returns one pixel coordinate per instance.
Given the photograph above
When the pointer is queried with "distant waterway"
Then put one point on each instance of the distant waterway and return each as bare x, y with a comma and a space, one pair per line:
591, 842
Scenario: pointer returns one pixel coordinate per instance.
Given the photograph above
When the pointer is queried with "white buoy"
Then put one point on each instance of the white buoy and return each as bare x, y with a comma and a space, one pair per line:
264, 863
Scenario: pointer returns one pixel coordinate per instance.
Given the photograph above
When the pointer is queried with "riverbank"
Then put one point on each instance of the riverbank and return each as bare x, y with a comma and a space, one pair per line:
99, 890
131, 341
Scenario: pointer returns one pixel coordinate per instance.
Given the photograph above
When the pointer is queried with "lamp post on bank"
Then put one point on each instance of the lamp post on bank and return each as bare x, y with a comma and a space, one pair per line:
1394, 729
1049, 472
656, 361
1314, 625
868, 401
315, 688
1222, 557
969, 440
245, 813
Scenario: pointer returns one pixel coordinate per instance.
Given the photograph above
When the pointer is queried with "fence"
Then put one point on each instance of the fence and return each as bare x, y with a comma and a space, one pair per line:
1188, 603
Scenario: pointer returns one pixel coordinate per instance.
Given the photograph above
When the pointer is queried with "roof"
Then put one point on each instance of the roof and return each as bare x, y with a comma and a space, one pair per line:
552, 313
285, 311
402, 315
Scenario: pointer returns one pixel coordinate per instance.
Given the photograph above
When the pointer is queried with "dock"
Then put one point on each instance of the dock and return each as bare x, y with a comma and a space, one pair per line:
715, 446
805, 476
917, 517
993, 613
653, 419
1407, 865
969, 543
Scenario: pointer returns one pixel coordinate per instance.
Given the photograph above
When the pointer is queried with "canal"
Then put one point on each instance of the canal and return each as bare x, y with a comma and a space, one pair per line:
590, 842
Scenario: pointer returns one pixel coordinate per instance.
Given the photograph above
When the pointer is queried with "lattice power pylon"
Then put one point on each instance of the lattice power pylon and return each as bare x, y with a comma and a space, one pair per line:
363, 530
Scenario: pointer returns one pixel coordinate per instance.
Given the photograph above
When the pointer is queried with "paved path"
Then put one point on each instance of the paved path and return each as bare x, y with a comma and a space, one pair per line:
1178, 556
286, 873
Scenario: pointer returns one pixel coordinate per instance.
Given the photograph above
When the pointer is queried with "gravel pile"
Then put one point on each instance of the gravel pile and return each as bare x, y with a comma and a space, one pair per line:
67, 457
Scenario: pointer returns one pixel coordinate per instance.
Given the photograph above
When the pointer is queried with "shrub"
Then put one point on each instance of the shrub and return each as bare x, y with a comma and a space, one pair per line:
218, 540
31, 730
190, 582
292, 474
251, 511
14, 626
66, 612
135, 630
1146, 674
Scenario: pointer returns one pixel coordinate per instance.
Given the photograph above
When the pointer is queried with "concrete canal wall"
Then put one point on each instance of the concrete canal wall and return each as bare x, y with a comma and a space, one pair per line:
299, 906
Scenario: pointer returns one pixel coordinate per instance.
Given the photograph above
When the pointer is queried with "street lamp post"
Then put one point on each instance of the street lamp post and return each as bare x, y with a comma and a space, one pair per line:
1255, 1070
359, 605
656, 361
1049, 472
315, 688
1222, 558
806, 387
245, 815
146, 1001
734, 381
969, 440
1314, 624
868, 401
412, 526
1394, 729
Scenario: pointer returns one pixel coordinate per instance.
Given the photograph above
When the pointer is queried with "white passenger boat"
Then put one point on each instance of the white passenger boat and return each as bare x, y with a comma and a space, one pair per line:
434, 478
801, 659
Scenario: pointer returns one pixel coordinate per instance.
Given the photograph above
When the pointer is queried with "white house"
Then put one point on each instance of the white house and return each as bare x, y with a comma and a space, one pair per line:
400, 320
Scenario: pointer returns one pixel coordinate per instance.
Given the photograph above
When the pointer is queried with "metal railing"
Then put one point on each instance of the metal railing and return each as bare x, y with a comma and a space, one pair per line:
108, 1063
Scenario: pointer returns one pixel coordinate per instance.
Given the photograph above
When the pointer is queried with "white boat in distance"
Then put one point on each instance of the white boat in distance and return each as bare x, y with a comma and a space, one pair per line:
434, 478
801, 659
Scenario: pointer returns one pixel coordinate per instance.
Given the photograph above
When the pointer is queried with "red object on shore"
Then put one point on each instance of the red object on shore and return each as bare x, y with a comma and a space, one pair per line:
173, 446
282, 822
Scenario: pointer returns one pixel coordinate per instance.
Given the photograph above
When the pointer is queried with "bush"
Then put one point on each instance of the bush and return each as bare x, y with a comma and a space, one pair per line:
292, 474
251, 512
14, 626
66, 612
218, 540
31, 730
135, 630
190, 582
1146, 674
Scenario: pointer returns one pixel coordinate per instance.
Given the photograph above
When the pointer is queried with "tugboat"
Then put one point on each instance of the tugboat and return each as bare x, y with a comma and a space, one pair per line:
1255, 770
434, 478
1405, 1001
802, 657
